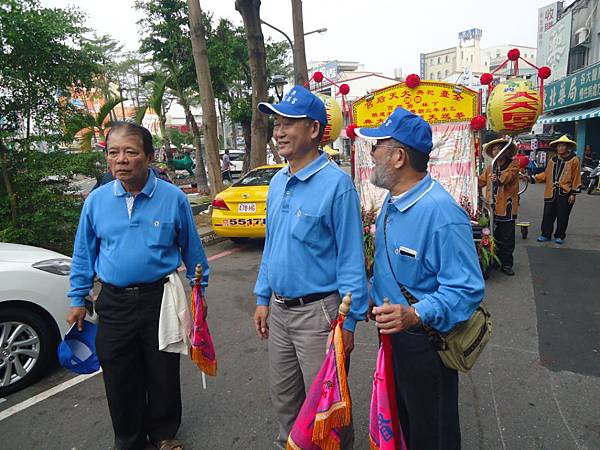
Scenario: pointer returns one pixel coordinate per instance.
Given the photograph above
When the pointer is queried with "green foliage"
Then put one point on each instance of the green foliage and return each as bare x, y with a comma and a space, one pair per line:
48, 206
179, 138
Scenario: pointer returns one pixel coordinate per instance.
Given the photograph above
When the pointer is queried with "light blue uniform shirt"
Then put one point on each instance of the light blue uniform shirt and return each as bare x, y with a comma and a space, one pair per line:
314, 238
430, 246
143, 248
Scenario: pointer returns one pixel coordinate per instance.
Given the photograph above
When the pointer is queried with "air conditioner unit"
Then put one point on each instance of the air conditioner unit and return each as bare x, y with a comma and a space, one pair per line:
582, 36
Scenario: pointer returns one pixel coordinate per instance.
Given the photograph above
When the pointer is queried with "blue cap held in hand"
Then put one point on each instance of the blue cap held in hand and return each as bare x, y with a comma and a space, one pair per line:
403, 126
298, 103
77, 351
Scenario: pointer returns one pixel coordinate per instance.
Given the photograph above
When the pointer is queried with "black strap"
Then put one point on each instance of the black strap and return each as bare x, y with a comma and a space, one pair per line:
438, 339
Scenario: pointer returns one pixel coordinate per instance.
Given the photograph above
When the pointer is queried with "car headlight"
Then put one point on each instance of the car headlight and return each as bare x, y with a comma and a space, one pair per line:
57, 266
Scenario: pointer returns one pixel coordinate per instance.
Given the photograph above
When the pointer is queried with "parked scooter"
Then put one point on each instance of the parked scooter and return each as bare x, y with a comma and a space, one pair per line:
590, 178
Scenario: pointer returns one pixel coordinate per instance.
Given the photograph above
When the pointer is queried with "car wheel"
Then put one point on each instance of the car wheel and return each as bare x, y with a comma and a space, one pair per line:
27, 348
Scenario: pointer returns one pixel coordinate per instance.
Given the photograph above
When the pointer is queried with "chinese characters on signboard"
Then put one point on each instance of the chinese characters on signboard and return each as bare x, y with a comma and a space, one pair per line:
556, 43
580, 87
547, 17
434, 102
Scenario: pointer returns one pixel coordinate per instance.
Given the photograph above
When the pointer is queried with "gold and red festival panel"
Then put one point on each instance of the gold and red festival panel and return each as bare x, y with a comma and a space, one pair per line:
435, 102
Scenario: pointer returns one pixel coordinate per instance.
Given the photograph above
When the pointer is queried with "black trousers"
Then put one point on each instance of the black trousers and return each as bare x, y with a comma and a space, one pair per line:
427, 394
504, 235
142, 383
227, 175
559, 209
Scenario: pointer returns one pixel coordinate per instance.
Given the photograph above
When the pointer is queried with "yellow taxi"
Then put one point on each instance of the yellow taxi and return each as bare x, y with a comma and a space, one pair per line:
240, 210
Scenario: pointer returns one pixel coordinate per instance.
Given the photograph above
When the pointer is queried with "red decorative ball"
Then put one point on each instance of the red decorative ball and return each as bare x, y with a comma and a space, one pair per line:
344, 89
413, 80
478, 123
318, 76
513, 54
350, 133
544, 72
486, 78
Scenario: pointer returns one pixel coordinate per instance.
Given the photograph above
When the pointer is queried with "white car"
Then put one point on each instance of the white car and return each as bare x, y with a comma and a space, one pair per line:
33, 310
236, 157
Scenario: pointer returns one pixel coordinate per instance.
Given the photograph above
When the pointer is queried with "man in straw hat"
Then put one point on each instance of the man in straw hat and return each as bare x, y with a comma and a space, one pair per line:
502, 186
563, 181
313, 253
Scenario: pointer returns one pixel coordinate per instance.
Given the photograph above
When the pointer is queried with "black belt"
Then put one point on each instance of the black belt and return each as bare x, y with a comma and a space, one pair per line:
304, 300
138, 289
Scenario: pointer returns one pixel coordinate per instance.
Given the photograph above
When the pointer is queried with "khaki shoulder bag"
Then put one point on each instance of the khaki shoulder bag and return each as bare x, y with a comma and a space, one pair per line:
459, 348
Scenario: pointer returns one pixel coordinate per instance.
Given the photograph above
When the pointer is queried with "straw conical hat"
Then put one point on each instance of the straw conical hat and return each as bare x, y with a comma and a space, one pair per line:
564, 139
487, 148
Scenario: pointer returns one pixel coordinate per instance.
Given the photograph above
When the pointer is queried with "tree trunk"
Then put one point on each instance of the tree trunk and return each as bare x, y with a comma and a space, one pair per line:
207, 98
274, 152
301, 74
250, 11
200, 165
247, 131
7, 184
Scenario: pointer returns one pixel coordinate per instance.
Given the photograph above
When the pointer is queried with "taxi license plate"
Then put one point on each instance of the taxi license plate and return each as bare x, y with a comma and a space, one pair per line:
247, 207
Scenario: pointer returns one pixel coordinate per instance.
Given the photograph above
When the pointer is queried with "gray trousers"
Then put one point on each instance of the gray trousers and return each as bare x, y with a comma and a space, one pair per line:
297, 348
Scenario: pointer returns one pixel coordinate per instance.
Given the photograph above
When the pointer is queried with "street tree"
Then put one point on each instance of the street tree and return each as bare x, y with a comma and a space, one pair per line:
43, 58
86, 127
166, 40
209, 114
250, 12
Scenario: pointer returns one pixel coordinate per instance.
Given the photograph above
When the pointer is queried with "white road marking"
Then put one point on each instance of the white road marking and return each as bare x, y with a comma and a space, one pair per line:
44, 395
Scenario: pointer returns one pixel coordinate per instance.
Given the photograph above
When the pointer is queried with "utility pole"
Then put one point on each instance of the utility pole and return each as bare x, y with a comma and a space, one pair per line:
301, 71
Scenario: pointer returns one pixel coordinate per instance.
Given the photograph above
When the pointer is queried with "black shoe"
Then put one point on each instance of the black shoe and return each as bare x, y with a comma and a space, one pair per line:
508, 270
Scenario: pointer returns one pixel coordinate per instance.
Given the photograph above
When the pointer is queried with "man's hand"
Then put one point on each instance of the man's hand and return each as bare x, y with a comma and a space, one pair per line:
370, 315
571, 200
76, 314
392, 318
261, 314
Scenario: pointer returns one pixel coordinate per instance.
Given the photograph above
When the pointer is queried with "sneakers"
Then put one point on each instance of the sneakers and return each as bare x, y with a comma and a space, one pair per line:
543, 239
506, 270
559, 241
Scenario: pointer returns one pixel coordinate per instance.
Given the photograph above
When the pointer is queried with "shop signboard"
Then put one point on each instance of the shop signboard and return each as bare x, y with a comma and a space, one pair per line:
556, 44
547, 17
580, 87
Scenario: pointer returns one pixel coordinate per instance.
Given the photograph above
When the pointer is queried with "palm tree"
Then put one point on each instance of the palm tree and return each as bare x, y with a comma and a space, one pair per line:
156, 102
89, 125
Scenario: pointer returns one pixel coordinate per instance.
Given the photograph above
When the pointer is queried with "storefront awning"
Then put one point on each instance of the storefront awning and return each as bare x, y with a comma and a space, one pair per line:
570, 116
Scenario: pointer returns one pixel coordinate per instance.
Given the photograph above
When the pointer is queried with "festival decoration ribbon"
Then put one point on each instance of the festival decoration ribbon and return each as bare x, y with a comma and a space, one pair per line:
202, 349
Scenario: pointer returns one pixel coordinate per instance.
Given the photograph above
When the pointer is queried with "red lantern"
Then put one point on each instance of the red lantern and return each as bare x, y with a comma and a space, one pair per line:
413, 80
344, 89
544, 72
513, 54
350, 133
486, 78
318, 76
478, 123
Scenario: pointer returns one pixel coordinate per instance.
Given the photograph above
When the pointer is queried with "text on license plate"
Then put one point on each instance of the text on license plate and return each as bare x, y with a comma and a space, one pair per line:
247, 207
256, 222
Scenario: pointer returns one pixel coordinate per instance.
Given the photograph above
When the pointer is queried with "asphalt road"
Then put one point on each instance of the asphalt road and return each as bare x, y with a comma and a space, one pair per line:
509, 401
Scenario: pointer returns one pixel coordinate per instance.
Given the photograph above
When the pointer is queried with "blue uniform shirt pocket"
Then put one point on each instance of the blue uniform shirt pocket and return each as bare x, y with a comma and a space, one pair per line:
306, 227
407, 268
162, 234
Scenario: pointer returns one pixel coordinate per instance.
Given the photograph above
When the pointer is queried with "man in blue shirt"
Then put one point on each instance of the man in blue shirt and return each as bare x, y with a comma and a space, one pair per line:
133, 233
313, 253
424, 253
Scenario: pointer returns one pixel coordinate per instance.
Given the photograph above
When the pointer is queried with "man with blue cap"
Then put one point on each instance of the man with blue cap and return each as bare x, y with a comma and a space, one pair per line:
313, 254
427, 266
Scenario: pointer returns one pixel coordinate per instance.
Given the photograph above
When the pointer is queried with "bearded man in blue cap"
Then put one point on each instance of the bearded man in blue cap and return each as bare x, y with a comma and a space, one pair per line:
427, 266
313, 254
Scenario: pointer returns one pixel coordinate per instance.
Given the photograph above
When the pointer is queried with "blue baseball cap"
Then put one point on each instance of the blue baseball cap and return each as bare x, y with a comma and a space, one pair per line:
404, 127
77, 351
298, 103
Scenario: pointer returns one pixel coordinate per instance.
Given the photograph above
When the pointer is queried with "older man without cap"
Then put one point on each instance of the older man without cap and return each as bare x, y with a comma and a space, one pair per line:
313, 253
424, 252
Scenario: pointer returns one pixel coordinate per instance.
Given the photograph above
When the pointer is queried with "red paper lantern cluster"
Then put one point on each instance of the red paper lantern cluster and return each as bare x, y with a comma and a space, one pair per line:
478, 123
544, 72
344, 89
486, 78
318, 76
413, 80
350, 133
513, 54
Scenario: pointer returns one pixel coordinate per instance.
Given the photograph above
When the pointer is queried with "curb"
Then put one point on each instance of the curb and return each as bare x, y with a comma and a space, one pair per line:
209, 238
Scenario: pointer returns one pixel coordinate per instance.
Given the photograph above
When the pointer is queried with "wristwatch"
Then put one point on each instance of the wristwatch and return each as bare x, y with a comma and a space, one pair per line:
417, 314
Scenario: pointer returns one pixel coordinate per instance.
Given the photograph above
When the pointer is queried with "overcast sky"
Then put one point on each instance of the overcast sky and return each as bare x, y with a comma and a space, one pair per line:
381, 34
